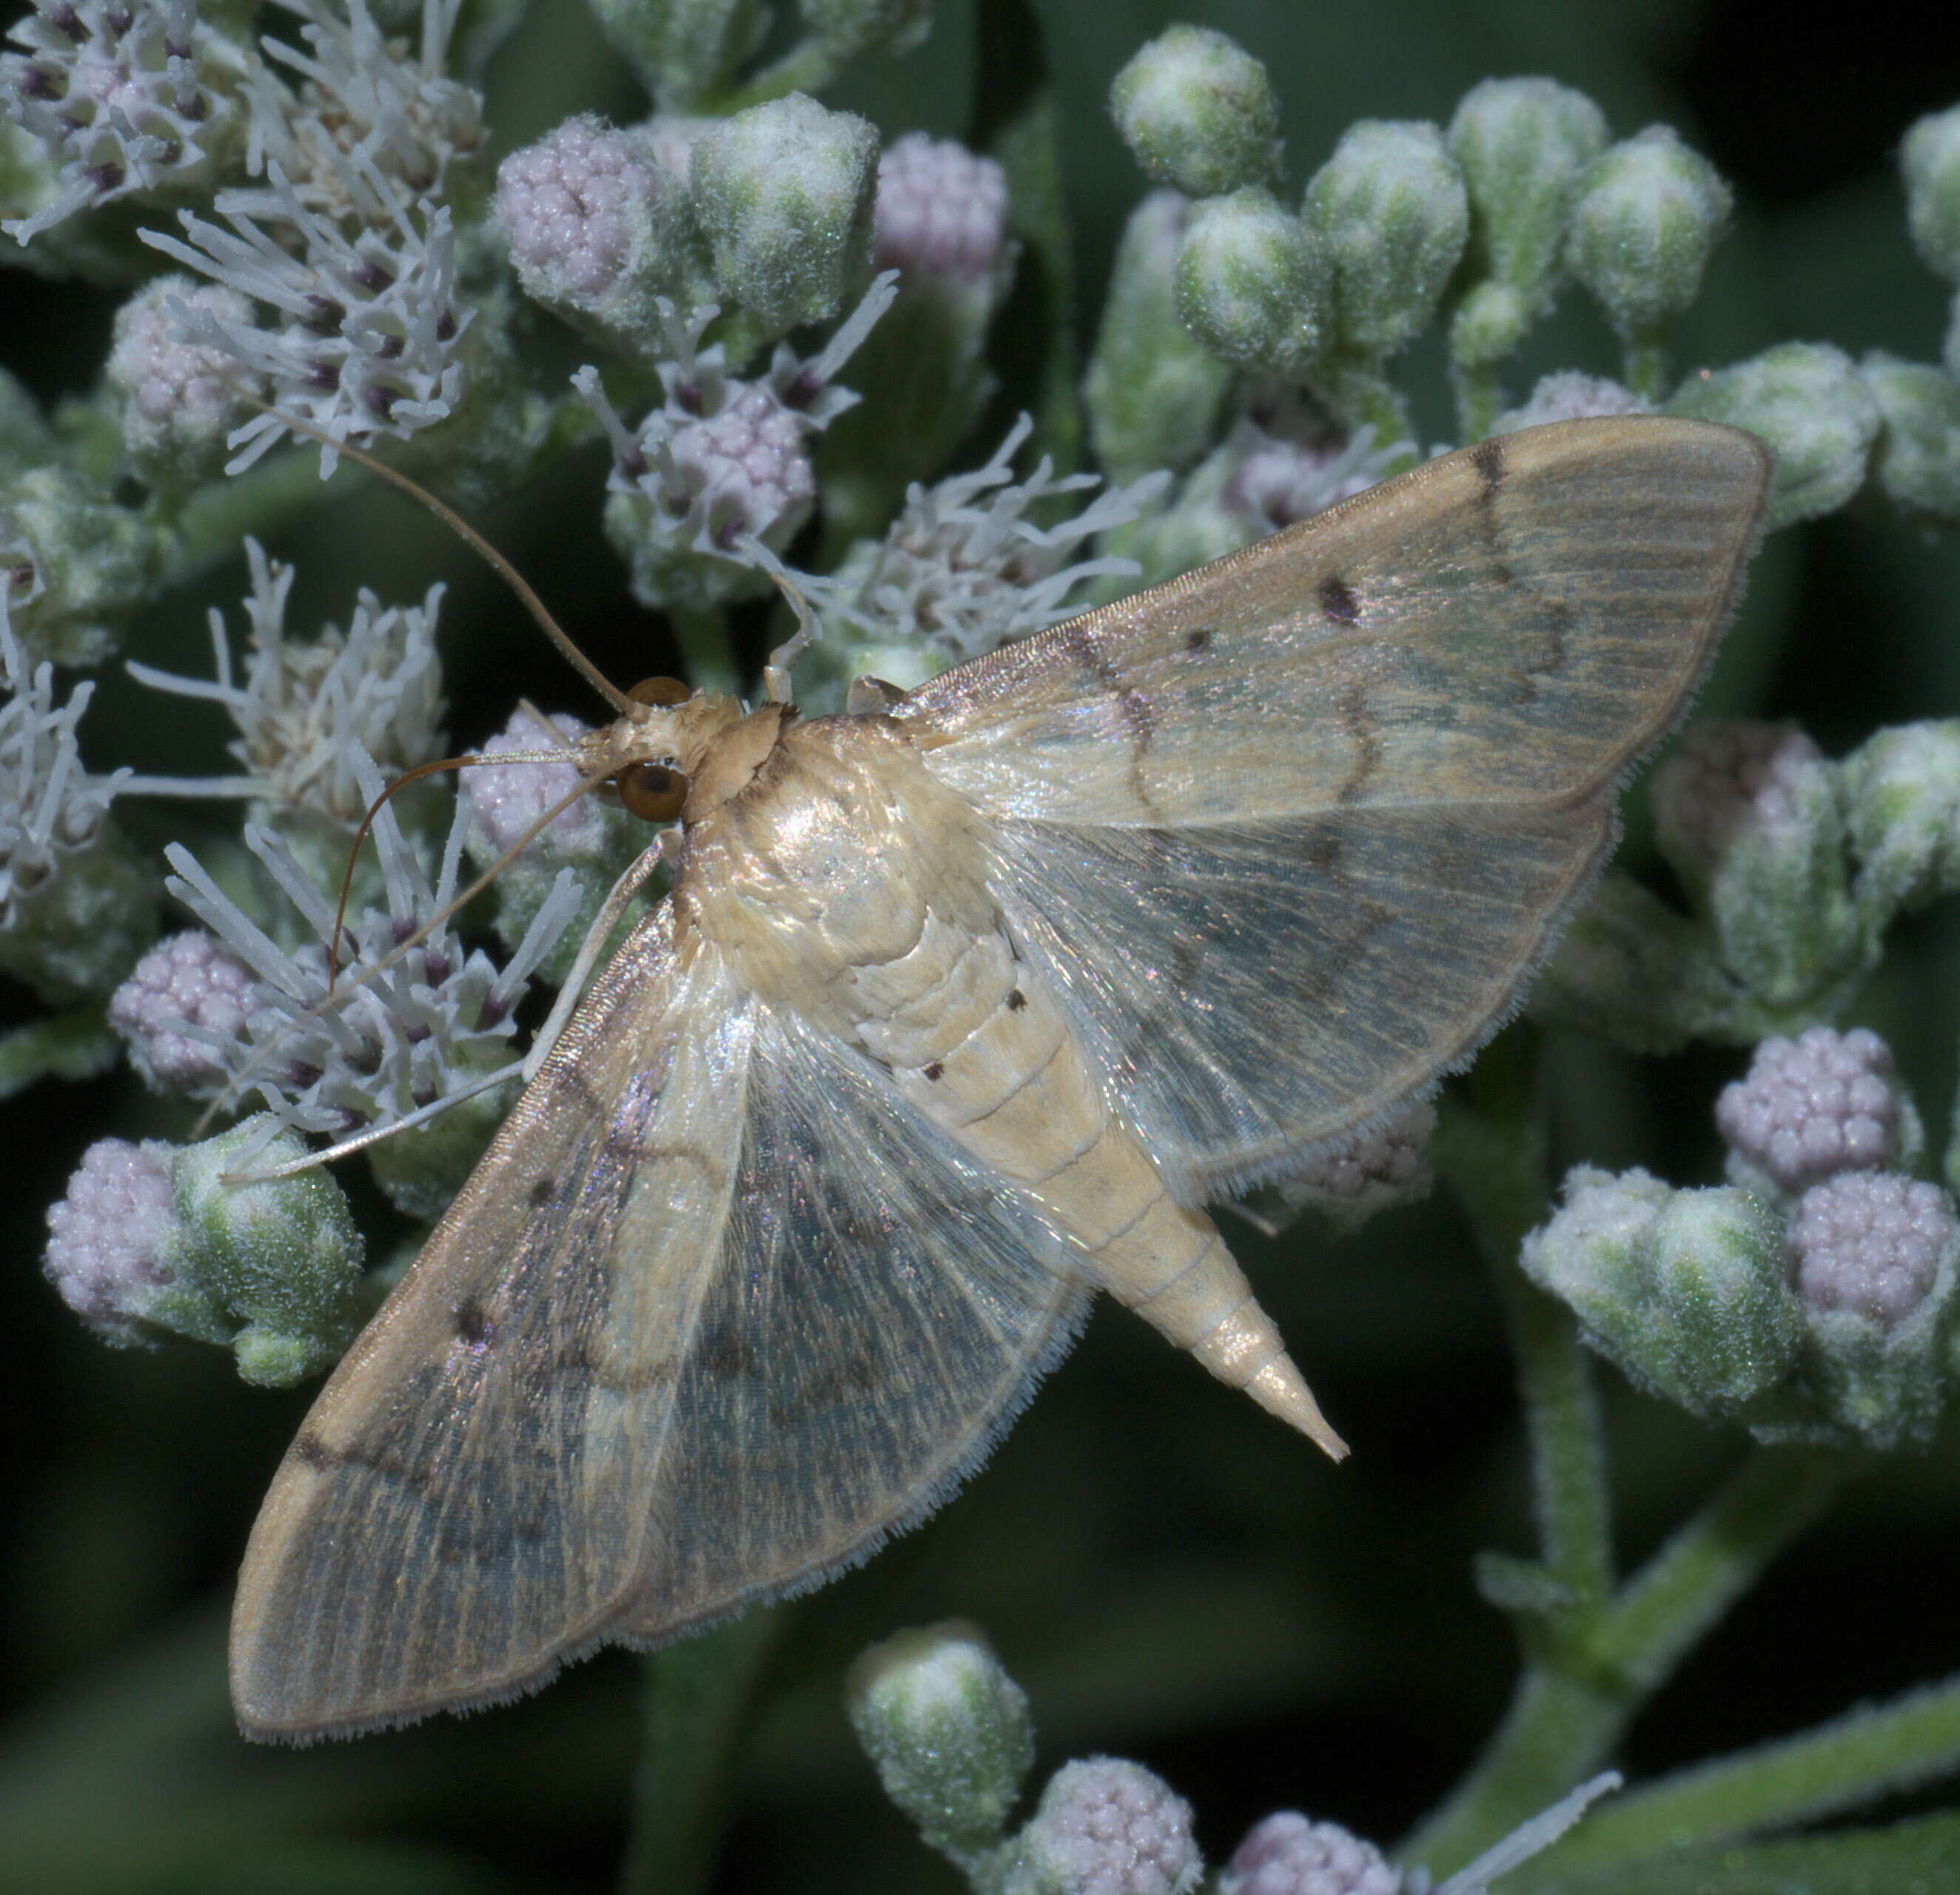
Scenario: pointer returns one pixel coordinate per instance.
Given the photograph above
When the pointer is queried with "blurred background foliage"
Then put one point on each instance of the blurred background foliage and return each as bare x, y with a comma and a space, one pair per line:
1171, 1576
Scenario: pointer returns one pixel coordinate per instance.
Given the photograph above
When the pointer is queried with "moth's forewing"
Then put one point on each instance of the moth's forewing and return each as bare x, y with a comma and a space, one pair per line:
1292, 832
718, 1309
716, 1314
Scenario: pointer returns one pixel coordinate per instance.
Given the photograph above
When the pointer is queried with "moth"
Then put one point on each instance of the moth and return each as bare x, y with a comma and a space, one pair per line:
961, 1005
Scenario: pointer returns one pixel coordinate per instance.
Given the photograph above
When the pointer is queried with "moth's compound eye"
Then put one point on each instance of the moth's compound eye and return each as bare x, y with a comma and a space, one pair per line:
661, 691
654, 792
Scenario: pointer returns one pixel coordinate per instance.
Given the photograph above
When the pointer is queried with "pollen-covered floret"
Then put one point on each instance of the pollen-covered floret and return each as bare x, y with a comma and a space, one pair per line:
184, 988
1108, 1827
1810, 1107
1352, 1181
1871, 1243
1729, 777
940, 209
129, 97
1286, 1855
181, 398
573, 205
108, 1235
502, 801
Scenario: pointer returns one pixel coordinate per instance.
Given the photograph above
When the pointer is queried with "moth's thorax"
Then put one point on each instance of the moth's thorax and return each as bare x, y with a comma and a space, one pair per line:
833, 858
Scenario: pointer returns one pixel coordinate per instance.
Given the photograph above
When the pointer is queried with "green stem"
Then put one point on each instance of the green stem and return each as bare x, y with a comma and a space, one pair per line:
281, 487
707, 651
808, 66
1875, 1751
1363, 398
65, 1045
699, 1695
1646, 359
1480, 397
1574, 1702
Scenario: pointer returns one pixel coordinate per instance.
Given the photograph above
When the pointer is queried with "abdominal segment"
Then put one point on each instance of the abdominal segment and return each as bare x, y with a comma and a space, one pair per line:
974, 1039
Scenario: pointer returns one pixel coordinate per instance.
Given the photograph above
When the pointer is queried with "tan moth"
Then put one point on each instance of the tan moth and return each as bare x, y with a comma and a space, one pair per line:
961, 1006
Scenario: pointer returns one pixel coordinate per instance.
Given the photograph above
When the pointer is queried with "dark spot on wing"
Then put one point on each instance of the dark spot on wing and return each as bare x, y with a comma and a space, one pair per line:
475, 1325
541, 1191
1197, 641
1324, 852
310, 1451
1337, 599
935, 1070
1016, 1000
1134, 708
1487, 457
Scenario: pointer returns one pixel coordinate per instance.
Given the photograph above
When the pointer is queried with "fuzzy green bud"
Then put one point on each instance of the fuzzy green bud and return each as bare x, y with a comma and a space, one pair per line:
152, 1241
1521, 145
1748, 817
1901, 790
1808, 402
1489, 324
948, 1730
87, 564
683, 49
1647, 216
1198, 112
25, 441
1929, 158
783, 194
75, 933
1390, 207
1686, 1290
1253, 284
1917, 462
1153, 394
847, 30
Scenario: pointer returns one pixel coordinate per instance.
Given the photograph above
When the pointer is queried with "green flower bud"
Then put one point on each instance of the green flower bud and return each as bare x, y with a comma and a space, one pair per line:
422, 1170
1929, 158
150, 1241
784, 193
683, 49
1808, 402
1632, 970
1391, 207
849, 29
1197, 112
25, 441
1902, 791
1488, 326
1917, 462
75, 933
948, 1730
1152, 393
1647, 215
1685, 1290
81, 564
1748, 816
1521, 145
1252, 284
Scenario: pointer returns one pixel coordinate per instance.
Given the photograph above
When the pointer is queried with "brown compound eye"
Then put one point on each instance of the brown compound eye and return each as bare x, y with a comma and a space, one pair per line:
654, 792
664, 692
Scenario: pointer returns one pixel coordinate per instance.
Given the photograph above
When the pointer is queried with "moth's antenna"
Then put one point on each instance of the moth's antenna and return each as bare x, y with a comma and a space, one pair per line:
450, 517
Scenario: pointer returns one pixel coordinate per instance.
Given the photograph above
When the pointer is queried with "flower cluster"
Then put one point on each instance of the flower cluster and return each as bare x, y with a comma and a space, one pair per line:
128, 98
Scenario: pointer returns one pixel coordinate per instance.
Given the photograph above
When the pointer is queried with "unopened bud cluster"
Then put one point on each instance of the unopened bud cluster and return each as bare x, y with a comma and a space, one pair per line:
1814, 1297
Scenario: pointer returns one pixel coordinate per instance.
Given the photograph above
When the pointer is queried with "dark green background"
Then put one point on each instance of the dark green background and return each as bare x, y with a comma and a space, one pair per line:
1171, 1576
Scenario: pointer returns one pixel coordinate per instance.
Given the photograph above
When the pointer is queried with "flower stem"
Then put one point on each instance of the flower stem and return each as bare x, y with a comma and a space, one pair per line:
699, 1695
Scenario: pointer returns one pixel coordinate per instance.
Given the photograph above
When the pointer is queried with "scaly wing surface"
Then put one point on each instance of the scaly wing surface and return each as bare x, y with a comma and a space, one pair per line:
1296, 828
715, 1313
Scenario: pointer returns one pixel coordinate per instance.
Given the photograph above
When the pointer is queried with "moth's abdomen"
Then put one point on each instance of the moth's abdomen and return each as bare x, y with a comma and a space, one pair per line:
976, 1040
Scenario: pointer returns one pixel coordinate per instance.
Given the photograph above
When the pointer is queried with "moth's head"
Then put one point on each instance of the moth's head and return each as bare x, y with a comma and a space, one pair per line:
674, 752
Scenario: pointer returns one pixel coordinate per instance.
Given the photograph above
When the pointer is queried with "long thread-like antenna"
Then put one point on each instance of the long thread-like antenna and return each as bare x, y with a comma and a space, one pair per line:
456, 523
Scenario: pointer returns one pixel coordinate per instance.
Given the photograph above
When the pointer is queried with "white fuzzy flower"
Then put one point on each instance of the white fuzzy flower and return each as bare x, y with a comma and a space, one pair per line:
380, 1046
307, 707
367, 331
503, 800
1571, 395
1285, 1854
964, 569
1107, 1827
129, 96
50, 807
181, 398
1730, 779
1351, 1182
